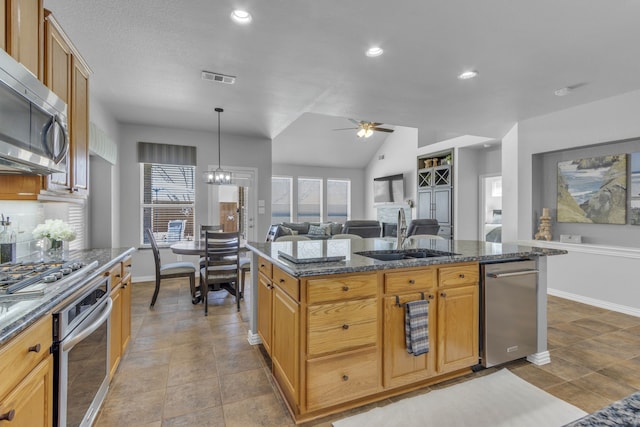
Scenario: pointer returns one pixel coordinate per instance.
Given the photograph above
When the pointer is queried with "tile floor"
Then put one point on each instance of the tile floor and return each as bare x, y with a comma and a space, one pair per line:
182, 369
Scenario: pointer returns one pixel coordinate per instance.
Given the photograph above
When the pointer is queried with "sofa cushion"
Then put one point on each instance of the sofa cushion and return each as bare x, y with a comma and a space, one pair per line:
286, 231
319, 230
336, 228
300, 227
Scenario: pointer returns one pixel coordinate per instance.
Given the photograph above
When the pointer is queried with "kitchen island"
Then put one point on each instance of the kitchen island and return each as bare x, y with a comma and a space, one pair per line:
331, 315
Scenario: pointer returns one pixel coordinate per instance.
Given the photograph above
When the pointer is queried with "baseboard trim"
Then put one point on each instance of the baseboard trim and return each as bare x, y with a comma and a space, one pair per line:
595, 302
540, 358
143, 279
254, 339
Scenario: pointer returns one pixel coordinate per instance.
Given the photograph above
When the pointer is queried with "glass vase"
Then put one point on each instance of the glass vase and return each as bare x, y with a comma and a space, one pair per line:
54, 250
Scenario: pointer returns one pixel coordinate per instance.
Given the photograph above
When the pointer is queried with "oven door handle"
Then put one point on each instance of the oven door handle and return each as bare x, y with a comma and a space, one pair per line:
72, 340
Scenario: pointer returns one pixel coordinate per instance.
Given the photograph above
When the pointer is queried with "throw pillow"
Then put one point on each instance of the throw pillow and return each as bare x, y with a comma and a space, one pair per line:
317, 230
327, 228
336, 228
285, 231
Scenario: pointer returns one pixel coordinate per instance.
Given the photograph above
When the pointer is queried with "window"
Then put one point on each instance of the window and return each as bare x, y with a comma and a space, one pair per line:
309, 199
168, 201
281, 199
338, 200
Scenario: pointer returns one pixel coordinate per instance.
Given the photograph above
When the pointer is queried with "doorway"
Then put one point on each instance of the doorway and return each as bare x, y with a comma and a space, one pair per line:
234, 206
490, 210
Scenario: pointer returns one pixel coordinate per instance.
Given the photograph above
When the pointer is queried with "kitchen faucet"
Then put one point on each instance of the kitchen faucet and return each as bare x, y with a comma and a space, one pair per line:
401, 230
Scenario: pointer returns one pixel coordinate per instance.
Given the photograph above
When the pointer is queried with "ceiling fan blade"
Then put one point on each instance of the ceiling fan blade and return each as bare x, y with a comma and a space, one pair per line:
382, 130
355, 122
345, 129
376, 124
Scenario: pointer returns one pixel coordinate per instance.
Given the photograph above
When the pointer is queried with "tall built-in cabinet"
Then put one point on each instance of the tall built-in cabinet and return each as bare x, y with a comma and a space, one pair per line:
338, 341
34, 38
435, 192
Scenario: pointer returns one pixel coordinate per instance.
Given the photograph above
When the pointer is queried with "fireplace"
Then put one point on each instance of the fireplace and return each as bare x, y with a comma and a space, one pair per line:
389, 229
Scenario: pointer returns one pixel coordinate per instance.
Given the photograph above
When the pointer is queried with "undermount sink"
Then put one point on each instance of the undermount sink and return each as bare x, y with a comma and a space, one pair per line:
399, 254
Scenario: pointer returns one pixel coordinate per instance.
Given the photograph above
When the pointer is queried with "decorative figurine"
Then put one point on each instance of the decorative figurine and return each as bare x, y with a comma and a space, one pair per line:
544, 229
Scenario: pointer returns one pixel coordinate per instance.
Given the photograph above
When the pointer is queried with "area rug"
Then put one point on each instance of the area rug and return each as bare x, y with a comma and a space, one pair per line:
498, 399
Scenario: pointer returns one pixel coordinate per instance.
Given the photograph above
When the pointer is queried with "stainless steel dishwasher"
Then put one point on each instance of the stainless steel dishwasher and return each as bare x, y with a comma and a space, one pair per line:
509, 311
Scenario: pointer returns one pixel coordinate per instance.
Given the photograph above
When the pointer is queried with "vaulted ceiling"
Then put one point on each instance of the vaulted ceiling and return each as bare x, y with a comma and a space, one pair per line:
306, 56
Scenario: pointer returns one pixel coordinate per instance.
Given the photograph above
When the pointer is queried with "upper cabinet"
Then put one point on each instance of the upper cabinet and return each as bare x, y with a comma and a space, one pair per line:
67, 75
25, 33
34, 38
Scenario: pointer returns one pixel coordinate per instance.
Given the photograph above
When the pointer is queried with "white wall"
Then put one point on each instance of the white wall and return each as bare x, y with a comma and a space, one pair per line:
400, 151
356, 176
238, 151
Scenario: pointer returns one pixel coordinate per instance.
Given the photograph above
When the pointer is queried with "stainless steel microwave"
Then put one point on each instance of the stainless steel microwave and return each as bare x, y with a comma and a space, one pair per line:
33, 123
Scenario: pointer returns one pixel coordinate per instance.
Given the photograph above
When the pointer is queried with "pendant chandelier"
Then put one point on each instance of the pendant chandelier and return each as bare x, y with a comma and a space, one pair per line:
219, 176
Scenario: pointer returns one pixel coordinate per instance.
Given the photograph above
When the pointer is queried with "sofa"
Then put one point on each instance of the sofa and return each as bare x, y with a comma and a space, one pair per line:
312, 230
363, 228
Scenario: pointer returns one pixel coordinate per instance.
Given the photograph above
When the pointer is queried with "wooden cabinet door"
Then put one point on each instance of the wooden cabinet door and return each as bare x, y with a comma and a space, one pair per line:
457, 328
57, 77
3, 25
79, 123
26, 34
286, 343
115, 331
401, 367
265, 304
32, 398
126, 313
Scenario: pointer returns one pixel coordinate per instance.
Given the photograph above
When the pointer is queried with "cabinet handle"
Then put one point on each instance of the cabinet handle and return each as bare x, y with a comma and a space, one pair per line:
431, 296
345, 288
345, 378
411, 281
262, 265
443, 294
8, 416
461, 276
35, 348
282, 280
345, 326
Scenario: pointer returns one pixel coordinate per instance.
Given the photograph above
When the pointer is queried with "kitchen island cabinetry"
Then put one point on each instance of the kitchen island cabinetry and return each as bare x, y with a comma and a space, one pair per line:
265, 303
26, 369
343, 338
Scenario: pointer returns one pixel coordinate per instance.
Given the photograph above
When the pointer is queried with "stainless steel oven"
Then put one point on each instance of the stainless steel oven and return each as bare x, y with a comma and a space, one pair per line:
81, 355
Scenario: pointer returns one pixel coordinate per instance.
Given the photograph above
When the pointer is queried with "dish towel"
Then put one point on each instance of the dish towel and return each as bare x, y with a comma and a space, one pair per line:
416, 327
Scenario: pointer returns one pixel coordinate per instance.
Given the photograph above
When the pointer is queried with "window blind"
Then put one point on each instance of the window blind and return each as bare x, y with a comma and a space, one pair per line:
166, 154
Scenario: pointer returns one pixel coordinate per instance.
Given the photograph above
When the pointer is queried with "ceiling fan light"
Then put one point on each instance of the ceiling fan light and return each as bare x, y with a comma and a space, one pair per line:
368, 133
374, 51
241, 16
361, 133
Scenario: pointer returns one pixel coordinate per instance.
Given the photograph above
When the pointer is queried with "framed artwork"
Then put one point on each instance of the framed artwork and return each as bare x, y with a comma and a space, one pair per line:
634, 213
593, 190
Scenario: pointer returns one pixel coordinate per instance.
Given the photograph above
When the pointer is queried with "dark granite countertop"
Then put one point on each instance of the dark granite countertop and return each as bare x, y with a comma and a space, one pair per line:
317, 250
624, 412
17, 315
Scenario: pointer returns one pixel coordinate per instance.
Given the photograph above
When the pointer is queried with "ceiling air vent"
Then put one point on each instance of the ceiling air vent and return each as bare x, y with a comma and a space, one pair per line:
217, 77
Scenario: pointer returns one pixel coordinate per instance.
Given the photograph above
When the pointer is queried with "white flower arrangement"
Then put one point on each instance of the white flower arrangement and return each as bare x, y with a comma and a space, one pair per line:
54, 229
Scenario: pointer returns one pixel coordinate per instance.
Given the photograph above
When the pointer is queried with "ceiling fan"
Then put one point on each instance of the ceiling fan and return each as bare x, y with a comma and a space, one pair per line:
366, 129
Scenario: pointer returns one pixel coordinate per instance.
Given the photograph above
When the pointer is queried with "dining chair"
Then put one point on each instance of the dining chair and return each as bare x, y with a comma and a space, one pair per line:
222, 266
411, 239
291, 238
170, 270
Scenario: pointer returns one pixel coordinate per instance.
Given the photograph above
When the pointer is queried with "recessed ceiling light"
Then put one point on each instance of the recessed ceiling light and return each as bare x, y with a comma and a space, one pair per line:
562, 91
241, 16
374, 51
468, 75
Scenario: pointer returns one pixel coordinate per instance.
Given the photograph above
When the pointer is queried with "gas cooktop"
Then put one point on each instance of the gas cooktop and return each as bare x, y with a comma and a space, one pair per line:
16, 276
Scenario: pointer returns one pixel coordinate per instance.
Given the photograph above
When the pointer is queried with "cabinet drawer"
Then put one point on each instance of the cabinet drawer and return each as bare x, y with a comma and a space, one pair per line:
340, 378
407, 281
341, 326
23, 353
265, 267
459, 275
340, 288
126, 266
286, 283
115, 273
